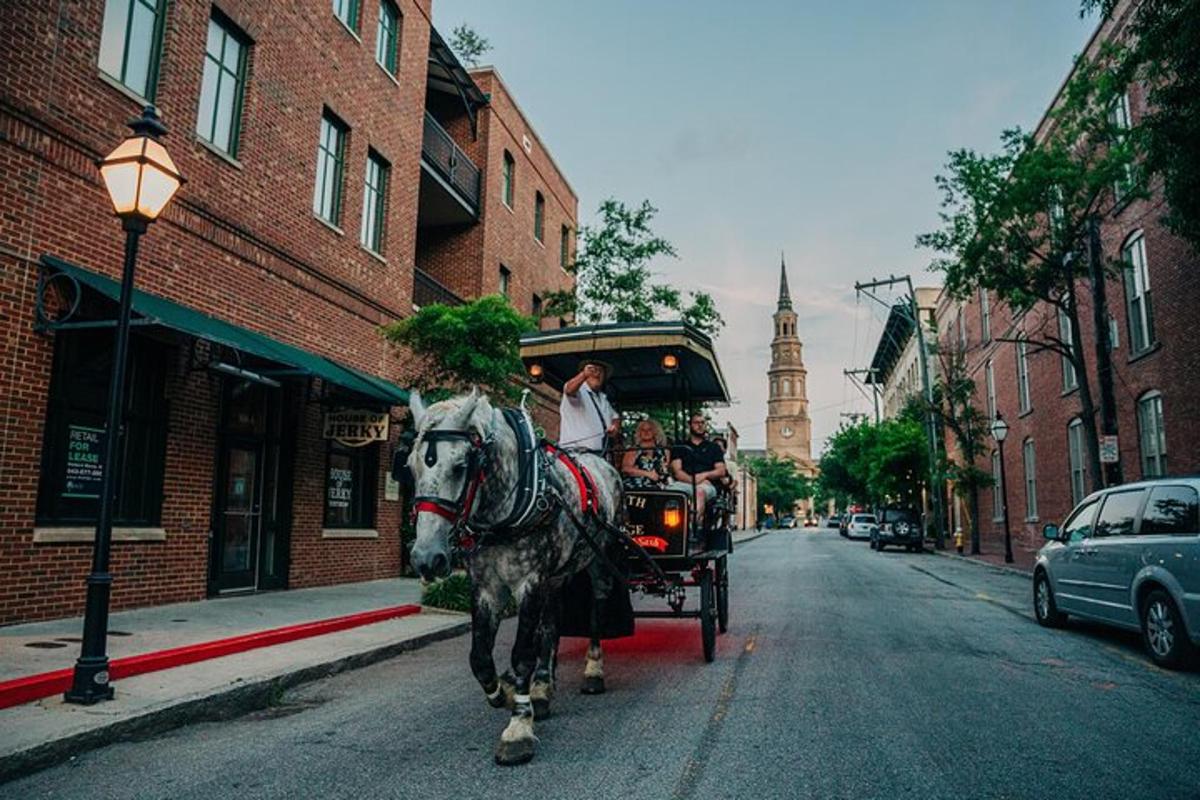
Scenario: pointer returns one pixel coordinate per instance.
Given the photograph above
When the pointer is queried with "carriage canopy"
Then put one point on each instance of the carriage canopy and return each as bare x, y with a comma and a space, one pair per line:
650, 363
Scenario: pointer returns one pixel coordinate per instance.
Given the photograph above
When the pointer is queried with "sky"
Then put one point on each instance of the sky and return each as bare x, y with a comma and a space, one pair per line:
807, 127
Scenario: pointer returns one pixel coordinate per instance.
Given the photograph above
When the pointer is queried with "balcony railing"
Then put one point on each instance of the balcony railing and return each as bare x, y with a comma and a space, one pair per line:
427, 291
450, 162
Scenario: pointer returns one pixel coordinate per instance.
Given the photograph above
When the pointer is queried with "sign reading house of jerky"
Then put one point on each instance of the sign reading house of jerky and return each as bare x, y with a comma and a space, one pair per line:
356, 427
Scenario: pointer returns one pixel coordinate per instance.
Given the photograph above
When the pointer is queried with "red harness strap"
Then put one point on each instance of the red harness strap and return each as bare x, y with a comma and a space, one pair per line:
587, 486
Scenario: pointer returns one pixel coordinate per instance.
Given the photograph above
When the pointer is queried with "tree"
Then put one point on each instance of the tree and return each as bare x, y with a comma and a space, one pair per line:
1163, 55
477, 343
780, 485
468, 45
878, 463
953, 406
613, 280
1018, 222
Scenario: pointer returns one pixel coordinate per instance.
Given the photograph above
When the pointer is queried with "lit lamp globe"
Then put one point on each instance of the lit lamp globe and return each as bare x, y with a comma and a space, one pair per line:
999, 429
140, 176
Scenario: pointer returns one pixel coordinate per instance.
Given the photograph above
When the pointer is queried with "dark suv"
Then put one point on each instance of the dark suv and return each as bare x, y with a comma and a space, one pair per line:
898, 526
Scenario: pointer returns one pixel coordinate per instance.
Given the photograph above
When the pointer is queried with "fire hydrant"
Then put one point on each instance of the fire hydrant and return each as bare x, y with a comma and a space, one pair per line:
958, 541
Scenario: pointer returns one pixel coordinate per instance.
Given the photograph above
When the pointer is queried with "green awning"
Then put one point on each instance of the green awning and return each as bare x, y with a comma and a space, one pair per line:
158, 311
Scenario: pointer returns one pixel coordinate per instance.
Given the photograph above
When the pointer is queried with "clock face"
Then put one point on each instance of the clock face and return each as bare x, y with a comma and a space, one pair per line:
786, 431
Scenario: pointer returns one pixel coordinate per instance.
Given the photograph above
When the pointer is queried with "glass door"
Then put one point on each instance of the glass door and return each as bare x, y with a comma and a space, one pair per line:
239, 516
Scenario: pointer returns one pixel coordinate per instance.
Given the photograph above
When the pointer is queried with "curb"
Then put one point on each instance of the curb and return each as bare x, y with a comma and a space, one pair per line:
224, 704
980, 563
736, 542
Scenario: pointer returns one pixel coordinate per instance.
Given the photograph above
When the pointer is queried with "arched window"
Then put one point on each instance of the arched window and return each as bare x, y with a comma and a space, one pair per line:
787, 387
1075, 458
1152, 437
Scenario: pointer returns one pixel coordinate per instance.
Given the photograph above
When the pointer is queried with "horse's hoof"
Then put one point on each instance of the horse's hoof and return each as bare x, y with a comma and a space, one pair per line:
511, 754
592, 685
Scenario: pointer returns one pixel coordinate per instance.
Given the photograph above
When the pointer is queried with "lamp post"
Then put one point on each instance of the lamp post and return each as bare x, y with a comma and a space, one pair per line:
1000, 433
141, 179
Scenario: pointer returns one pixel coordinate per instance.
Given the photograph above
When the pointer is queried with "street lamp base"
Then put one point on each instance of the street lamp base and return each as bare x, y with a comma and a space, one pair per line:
90, 684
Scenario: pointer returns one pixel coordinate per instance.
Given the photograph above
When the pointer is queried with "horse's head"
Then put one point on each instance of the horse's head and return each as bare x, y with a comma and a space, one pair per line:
447, 463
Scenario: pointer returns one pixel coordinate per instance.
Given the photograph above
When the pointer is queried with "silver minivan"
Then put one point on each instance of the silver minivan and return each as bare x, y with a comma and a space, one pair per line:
1128, 556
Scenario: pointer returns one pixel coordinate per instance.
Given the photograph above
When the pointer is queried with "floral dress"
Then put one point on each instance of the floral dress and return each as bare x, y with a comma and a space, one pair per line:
652, 461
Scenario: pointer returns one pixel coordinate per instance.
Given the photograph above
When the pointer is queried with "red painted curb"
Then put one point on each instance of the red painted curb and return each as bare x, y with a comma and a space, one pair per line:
34, 687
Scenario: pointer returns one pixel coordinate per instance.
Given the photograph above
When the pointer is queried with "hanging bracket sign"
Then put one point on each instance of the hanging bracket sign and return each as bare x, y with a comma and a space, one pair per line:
356, 427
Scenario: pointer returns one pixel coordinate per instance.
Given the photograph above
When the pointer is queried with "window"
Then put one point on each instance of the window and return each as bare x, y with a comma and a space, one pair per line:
1079, 525
1114, 333
997, 494
1137, 295
219, 118
387, 36
374, 202
507, 177
962, 331
505, 280
564, 251
350, 480
1069, 379
73, 443
985, 315
1056, 212
774, 388
331, 150
1023, 402
787, 387
1171, 509
536, 307
1029, 460
539, 216
347, 12
1152, 437
1120, 120
1119, 511
990, 381
1075, 458
131, 43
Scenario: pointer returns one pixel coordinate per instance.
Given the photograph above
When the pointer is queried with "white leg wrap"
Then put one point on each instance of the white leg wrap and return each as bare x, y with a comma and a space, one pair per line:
521, 699
593, 668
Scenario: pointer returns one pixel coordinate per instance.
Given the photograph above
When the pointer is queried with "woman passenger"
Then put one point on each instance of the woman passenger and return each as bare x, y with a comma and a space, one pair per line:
646, 464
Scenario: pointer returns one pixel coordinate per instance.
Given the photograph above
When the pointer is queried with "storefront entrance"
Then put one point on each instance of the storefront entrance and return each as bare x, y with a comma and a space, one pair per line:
252, 502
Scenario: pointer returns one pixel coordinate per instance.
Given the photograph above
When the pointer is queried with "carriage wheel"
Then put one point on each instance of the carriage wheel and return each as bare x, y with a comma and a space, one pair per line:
722, 589
708, 614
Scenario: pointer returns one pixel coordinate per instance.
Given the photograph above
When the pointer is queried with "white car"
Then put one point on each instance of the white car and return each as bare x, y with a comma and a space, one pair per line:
861, 525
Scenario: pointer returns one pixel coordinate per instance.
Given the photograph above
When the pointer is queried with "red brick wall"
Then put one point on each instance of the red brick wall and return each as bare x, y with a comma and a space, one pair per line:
239, 242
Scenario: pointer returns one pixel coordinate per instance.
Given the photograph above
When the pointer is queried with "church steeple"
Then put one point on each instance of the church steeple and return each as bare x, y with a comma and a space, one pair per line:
785, 296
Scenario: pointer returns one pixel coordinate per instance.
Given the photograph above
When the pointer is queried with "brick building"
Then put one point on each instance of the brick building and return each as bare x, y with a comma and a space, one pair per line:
1155, 356
312, 176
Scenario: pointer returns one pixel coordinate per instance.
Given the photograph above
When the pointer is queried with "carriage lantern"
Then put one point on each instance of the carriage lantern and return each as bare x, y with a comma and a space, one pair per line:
670, 362
536, 372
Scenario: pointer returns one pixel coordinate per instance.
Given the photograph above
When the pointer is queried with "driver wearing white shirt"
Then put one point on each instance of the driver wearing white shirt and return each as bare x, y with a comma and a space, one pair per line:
586, 415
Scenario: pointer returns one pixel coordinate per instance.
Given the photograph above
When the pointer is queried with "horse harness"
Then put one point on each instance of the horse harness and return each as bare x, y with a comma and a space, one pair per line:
535, 496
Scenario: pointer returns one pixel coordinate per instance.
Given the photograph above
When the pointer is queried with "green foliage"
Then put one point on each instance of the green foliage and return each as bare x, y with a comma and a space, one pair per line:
877, 463
477, 343
452, 593
1164, 58
614, 282
468, 45
779, 484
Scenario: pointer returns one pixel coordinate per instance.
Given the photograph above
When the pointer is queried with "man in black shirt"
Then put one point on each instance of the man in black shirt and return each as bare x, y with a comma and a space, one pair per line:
698, 461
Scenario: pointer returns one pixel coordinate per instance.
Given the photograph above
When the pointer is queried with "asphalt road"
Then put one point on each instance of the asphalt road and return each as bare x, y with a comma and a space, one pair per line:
845, 673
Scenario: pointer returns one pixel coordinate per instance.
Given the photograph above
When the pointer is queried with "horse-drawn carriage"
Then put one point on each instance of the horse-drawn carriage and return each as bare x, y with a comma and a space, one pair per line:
667, 369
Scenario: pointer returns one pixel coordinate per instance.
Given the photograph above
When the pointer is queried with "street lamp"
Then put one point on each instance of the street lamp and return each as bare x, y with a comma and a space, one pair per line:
1000, 433
141, 179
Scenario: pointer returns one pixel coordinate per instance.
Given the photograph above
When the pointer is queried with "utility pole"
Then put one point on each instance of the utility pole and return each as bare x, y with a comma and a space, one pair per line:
931, 431
1104, 370
853, 374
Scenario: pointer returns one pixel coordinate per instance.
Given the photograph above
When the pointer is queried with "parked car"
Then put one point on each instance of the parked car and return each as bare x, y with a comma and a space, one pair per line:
834, 521
861, 526
769, 522
810, 522
898, 526
844, 525
1128, 556
787, 522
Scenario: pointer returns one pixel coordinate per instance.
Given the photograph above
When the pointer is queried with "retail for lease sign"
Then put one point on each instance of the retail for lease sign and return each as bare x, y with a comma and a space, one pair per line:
356, 427
85, 474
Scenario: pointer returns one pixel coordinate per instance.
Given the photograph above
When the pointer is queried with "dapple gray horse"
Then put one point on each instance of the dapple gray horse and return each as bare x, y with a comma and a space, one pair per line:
464, 467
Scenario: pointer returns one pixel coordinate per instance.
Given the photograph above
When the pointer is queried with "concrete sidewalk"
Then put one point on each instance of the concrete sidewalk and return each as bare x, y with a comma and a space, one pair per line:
48, 730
